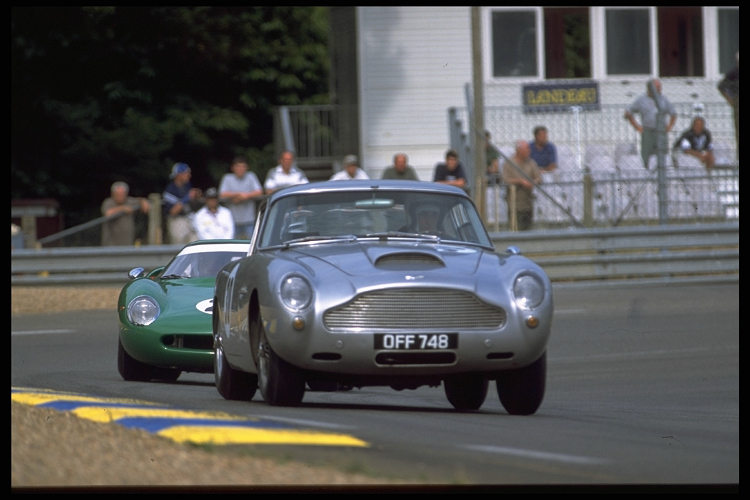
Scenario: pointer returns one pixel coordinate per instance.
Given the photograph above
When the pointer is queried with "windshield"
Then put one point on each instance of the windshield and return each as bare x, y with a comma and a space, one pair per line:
197, 262
361, 214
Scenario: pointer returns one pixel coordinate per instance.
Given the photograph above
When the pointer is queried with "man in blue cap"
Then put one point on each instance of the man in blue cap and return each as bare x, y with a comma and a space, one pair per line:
179, 198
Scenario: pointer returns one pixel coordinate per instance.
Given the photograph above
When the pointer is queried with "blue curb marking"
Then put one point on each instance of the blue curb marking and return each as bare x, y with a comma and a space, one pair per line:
69, 405
157, 424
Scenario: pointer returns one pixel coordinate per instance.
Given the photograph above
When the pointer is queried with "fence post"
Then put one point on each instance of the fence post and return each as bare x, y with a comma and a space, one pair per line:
588, 199
512, 217
28, 228
154, 220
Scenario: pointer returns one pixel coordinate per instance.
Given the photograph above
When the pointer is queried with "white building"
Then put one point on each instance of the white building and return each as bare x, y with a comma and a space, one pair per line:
399, 70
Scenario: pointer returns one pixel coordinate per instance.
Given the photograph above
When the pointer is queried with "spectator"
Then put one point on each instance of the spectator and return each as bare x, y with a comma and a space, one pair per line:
543, 152
451, 171
120, 230
284, 174
16, 236
180, 201
696, 141
729, 87
238, 190
351, 171
214, 221
400, 170
523, 173
493, 159
648, 105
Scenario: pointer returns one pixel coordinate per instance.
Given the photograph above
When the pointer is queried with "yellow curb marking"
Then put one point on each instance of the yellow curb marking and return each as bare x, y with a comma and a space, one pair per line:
244, 435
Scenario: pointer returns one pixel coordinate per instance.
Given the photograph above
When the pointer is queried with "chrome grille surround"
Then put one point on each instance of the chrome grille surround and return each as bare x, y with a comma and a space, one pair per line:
414, 309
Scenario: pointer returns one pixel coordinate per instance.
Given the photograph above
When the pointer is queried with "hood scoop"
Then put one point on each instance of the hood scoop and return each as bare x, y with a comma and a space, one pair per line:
411, 261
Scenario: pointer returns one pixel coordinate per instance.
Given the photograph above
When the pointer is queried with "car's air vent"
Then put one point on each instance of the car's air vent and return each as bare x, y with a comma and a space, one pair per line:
415, 358
199, 342
412, 261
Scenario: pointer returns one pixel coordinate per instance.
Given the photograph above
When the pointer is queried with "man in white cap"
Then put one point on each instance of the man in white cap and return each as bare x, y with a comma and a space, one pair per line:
351, 170
214, 221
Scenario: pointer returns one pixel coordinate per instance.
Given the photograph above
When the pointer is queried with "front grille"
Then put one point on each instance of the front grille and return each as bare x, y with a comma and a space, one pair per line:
415, 308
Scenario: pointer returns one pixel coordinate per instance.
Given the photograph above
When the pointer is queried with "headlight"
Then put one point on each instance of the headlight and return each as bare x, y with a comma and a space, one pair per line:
143, 310
528, 291
296, 293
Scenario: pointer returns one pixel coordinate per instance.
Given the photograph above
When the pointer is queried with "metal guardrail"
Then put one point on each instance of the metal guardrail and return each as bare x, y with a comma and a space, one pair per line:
659, 254
663, 254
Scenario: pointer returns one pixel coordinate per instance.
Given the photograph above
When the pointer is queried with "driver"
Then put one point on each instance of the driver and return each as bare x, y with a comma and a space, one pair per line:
428, 216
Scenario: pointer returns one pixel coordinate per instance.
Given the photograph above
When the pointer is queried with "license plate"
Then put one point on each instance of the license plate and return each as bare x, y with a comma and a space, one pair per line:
416, 341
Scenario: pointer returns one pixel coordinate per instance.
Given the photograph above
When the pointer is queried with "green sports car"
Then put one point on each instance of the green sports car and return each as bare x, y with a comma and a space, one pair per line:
165, 314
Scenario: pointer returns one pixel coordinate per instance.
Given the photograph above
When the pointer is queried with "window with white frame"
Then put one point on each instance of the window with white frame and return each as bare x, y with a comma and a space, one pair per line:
556, 42
566, 40
628, 41
729, 36
514, 43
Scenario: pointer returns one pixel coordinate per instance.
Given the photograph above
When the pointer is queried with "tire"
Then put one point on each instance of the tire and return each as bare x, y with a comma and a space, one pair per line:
521, 391
165, 374
280, 383
130, 368
232, 384
466, 391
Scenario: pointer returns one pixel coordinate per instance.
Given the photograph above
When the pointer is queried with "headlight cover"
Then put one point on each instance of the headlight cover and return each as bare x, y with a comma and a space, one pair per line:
143, 310
528, 291
296, 293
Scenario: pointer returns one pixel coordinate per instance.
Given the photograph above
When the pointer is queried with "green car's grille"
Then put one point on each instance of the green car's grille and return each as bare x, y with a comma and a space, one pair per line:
415, 309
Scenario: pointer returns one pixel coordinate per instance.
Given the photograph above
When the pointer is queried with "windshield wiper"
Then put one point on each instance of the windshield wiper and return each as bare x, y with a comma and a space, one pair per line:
346, 237
403, 234
172, 276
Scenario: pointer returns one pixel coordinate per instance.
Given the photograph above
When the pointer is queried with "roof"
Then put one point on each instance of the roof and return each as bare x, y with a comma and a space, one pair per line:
371, 184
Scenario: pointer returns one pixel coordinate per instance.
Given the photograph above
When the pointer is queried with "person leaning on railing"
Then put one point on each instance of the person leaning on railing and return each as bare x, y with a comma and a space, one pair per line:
120, 228
521, 174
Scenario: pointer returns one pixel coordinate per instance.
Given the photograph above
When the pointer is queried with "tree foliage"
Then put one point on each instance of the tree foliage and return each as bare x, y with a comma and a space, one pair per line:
100, 94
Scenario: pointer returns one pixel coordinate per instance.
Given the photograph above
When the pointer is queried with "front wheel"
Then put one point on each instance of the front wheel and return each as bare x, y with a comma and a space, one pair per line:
521, 391
280, 383
232, 384
466, 391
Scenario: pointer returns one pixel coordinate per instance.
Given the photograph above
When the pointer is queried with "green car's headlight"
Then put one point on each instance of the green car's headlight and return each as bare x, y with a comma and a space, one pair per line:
143, 310
296, 293
528, 291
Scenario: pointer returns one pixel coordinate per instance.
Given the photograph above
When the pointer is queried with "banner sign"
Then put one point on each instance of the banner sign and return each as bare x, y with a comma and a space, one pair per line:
560, 97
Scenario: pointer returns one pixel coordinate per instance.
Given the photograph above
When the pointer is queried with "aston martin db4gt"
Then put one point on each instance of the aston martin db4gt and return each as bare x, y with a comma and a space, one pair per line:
165, 314
389, 283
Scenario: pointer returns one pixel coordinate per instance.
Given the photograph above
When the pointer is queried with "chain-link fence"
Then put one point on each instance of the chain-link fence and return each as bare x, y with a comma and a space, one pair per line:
625, 197
601, 179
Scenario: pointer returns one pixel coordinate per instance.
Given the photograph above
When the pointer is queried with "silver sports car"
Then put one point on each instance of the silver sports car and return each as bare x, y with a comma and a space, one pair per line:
391, 283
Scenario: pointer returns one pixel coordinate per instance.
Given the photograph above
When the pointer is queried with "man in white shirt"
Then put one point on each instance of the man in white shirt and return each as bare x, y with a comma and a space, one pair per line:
213, 221
351, 171
284, 174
